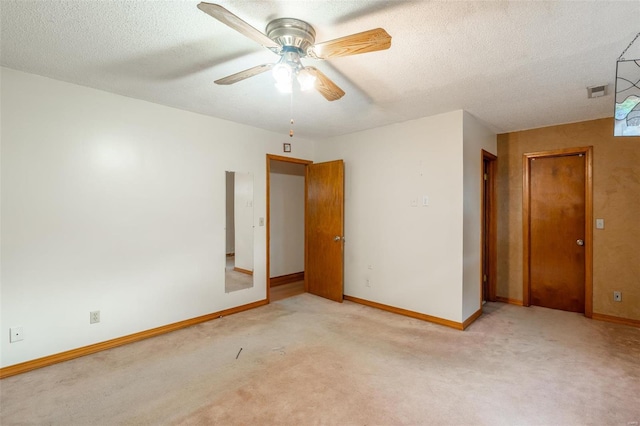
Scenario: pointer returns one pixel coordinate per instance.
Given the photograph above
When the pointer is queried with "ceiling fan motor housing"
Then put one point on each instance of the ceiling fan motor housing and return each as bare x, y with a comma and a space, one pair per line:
292, 33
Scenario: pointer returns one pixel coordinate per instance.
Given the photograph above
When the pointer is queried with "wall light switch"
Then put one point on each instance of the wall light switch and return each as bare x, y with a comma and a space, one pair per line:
261, 221
599, 223
425, 200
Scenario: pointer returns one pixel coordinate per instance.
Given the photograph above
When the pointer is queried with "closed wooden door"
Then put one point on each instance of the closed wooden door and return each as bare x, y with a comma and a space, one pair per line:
557, 232
324, 229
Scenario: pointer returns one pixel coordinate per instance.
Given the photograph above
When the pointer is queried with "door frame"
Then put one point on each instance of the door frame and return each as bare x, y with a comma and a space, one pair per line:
488, 213
588, 232
268, 214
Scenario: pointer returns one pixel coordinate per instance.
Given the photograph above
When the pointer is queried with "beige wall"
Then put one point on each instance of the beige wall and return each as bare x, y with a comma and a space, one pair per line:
616, 199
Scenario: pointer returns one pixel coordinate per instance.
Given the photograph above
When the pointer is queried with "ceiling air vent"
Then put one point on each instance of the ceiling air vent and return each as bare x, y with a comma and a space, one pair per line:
596, 91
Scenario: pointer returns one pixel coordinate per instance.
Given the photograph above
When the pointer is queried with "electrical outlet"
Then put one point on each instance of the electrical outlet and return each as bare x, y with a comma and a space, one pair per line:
617, 296
94, 317
368, 282
16, 334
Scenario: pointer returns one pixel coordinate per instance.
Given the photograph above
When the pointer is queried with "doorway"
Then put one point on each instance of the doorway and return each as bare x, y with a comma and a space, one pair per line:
323, 225
285, 226
489, 229
557, 231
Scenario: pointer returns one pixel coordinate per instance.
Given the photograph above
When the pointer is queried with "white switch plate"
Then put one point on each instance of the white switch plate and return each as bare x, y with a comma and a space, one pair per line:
425, 200
261, 221
16, 334
599, 223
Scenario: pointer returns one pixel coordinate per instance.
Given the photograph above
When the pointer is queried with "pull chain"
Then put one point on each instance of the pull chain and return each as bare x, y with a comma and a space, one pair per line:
291, 114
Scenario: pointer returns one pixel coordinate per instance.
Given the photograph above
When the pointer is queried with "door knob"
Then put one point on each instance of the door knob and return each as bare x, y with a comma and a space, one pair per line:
580, 242
337, 238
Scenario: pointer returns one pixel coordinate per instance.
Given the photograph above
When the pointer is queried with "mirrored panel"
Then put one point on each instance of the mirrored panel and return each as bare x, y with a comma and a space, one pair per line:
239, 231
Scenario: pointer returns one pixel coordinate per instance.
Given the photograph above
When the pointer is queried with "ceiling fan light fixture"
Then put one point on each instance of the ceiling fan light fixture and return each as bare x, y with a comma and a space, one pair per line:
282, 73
306, 79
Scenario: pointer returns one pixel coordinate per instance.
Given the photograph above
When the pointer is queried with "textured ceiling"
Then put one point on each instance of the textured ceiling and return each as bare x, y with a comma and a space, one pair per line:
513, 64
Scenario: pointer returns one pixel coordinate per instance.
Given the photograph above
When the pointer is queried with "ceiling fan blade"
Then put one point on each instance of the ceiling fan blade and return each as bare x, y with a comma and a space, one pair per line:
325, 86
354, 44
231, 20
239, 76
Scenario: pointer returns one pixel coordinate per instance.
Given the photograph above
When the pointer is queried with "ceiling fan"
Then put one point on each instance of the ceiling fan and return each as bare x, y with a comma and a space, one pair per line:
294, 39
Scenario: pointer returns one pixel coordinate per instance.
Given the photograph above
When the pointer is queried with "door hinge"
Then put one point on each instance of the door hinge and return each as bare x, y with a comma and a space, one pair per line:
486, 177
484, 278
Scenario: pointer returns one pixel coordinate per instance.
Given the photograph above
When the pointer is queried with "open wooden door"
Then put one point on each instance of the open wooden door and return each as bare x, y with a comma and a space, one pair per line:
324, 230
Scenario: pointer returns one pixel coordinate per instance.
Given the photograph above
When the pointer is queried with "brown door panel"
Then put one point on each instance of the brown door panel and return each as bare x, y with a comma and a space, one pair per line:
557, 222
325, 229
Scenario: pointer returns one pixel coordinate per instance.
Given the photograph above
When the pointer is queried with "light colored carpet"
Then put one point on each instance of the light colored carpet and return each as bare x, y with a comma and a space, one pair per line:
307, 361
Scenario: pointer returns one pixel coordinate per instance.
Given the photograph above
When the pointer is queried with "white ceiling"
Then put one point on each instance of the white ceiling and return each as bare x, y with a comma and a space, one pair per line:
513, 64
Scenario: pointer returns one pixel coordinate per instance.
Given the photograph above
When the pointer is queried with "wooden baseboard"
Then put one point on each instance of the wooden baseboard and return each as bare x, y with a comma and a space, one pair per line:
23, 367
509, 301
286, 279
407, 313
243, 271
594, 315
617, 320
466, 323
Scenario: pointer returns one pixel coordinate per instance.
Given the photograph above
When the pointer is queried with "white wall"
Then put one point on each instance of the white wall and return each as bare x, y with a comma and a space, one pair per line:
287, 223
415, 253
118, 205
230, 219
476, 138
243, 219
115, 204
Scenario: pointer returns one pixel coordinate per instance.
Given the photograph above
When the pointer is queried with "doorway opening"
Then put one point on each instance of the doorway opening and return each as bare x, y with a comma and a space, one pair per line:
489, 228
557, 232
285, 226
